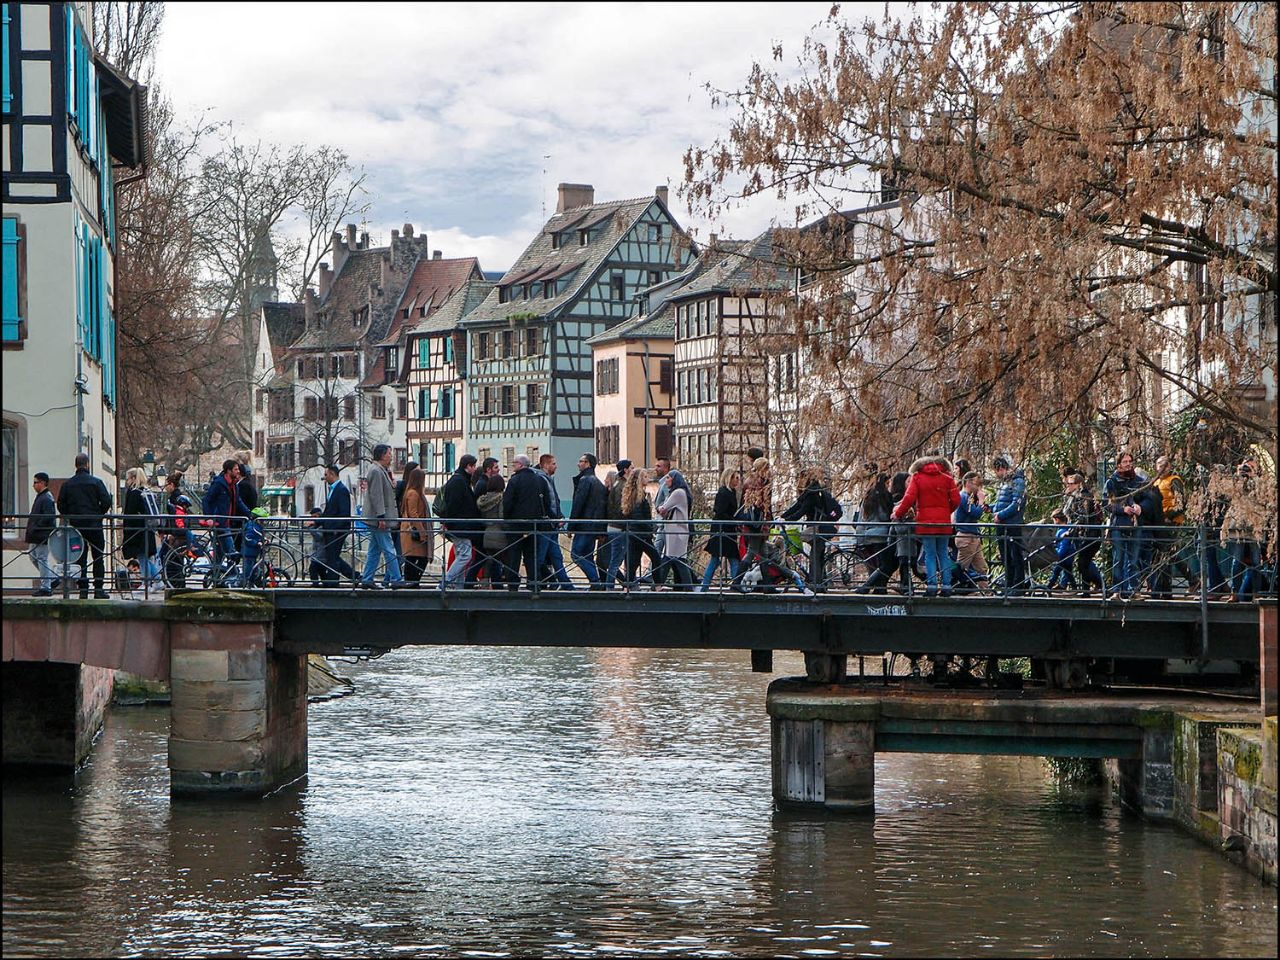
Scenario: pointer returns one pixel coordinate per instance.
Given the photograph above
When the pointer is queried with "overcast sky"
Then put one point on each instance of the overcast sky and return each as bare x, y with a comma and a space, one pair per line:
451, 108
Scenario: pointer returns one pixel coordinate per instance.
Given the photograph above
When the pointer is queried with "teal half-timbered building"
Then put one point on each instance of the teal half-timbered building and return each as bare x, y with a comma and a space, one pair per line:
529, 363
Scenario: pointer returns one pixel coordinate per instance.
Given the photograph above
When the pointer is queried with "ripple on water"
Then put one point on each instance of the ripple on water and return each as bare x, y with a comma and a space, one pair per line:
579, 803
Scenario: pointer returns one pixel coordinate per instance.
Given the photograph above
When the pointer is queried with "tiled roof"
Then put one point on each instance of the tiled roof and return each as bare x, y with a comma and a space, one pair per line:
433, 283
454, 310
658, 325
350, 292
741, 265
285, 323
540, 258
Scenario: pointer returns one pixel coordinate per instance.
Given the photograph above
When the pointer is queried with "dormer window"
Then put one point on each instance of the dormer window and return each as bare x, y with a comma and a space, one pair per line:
548, 289
502, 295
555, 241
583, 237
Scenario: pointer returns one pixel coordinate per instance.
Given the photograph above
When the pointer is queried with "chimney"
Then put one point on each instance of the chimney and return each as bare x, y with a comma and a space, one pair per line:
309, 304
351, 236
661, 194
326, 280
384, 271
339, 253
574, 195
437, 254
395, 235
712, 240
364, 240
408, 231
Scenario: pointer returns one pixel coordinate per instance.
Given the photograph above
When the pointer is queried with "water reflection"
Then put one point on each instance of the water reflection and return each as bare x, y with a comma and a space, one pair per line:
584, 803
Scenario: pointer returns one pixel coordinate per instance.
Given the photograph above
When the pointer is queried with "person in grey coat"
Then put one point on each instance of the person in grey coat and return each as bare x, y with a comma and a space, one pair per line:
380, 517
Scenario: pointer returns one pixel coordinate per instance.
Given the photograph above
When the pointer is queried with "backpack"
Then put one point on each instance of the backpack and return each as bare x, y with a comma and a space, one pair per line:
437, 504
155, 523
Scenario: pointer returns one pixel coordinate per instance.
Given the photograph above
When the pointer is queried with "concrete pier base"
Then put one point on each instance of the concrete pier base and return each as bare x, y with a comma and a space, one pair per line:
238, 711
53, 712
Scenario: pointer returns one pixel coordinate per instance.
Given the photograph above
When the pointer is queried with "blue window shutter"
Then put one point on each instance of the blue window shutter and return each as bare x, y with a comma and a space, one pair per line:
424, 352
106, 332
8, 95
82, 284
448, 349
11, 254
448, 458
69, 56
424, 410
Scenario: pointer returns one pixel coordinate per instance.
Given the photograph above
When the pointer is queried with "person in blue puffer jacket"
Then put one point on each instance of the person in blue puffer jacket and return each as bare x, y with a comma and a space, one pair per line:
1007, 512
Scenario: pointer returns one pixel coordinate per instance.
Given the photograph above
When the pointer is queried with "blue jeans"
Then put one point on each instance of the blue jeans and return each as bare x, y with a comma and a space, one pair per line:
616, 550
735, 565
1126, 554
1241, 561
380, 546
582, 551
937, 562
549, 552
40, 557
462, 551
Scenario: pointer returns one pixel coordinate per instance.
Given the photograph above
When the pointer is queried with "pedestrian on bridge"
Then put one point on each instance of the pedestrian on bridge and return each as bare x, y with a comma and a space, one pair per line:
675, 511
524, 501
635, 507
586, 516
40, 526
932, 493
84, 501
417, 533
722, 545
336, 519
461, 522
1008, 514
492, 546
382, 522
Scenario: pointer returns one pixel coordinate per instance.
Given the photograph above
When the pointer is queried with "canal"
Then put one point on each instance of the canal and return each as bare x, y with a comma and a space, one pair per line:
493, 802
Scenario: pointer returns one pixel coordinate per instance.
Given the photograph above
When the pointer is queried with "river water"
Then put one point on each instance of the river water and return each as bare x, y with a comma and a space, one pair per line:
492, 802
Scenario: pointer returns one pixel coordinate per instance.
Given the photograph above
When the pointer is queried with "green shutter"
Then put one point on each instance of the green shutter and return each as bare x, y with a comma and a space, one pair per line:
11, 255
424, 353
424, 406
448, 349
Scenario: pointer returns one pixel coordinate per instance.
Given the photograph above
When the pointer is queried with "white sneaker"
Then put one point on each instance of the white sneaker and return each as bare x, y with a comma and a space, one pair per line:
806, 592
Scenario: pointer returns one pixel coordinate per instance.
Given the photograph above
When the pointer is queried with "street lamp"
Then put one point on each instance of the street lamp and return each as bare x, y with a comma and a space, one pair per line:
149, 466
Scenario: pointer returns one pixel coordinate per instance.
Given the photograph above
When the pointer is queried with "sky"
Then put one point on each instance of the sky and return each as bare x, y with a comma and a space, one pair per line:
465, 117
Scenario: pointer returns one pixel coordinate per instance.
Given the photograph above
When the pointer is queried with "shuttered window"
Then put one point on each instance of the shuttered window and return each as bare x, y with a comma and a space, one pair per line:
13, 254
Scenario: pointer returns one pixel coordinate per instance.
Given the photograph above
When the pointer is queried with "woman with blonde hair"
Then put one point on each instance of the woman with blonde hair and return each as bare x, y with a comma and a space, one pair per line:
755, 515
139, 537
639, 525
417, 535
723, 542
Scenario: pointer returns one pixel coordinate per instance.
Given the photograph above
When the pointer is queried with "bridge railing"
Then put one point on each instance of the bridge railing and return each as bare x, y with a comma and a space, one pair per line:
141, 555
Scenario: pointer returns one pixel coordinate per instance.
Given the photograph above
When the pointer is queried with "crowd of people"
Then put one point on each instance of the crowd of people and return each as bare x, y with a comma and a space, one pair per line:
498, 528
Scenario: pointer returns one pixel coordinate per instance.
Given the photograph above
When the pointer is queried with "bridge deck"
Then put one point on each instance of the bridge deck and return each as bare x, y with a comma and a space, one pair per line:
323, 621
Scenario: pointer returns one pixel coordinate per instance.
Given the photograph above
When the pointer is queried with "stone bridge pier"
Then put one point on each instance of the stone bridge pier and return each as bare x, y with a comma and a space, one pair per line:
238, 715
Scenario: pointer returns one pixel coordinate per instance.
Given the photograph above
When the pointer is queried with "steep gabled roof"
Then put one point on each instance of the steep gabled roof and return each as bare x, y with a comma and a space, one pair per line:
741, 265
454, 310
285, 322
541, 260
433, 283
360, 270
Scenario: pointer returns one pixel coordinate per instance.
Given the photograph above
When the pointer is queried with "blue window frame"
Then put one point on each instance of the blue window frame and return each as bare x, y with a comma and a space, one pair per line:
4, 54
449, 465
12, 254
448, 349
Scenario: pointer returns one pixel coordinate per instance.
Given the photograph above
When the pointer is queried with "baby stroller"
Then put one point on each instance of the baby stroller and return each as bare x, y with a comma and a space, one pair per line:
770, 568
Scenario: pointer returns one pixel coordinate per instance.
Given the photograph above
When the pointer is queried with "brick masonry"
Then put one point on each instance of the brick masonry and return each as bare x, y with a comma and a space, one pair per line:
1270, 660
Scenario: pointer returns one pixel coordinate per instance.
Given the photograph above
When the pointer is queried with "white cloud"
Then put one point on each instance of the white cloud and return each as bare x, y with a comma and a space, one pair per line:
451, 108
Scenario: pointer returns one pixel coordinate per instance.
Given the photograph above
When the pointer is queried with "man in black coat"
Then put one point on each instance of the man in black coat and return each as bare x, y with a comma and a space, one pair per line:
84, 501
524, 499
40, 526
461, 521
336, 519
590, 503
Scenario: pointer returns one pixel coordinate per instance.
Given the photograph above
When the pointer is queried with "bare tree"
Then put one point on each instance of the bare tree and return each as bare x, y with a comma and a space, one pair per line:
1079, 226
126, 34
250, 194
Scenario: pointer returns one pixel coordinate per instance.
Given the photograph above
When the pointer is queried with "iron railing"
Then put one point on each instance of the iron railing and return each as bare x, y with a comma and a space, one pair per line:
144, 555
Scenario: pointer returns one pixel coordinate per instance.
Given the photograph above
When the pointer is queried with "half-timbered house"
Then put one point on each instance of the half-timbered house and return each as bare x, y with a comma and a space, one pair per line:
71, 120
723, 313
435, 365
388, 398
530, 376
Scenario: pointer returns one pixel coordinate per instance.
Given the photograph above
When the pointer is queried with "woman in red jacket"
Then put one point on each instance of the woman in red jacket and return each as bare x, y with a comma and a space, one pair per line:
932, 491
